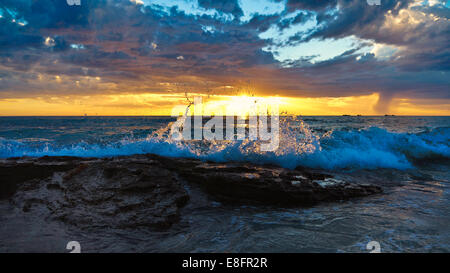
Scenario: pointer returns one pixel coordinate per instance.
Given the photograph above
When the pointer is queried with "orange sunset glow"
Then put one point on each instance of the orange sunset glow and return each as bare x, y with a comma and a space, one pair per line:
163, 105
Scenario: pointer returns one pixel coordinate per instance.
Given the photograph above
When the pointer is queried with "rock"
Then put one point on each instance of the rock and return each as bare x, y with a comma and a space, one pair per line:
237, 182
14, 172
150, 191
115, 193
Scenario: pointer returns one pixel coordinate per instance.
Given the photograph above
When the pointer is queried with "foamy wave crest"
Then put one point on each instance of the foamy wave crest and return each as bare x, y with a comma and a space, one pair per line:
369, 148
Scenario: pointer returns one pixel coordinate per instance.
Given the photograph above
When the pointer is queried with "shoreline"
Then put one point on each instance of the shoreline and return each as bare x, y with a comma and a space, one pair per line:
150, 190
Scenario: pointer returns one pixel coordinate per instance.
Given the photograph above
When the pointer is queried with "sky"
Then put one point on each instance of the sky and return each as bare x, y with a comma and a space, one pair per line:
143, 57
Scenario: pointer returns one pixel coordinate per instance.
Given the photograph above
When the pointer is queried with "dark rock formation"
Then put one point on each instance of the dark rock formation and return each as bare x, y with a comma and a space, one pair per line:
239, 182
119, 193
149, 190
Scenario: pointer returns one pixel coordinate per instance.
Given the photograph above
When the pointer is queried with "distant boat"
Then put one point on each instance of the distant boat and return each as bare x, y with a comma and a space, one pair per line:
389, 115
346, 115
358, 115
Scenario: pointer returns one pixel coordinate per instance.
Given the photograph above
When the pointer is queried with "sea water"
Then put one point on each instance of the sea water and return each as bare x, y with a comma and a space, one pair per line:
411, 152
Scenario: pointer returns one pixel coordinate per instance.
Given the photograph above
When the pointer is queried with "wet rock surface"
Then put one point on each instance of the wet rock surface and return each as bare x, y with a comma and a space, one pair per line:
150, 191
237, 182
91, 193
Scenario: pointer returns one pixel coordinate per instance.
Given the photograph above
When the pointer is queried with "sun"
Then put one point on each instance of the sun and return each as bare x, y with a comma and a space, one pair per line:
242, 105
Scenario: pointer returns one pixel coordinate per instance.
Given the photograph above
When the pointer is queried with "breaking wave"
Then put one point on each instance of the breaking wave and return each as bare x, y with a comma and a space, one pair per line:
368, 148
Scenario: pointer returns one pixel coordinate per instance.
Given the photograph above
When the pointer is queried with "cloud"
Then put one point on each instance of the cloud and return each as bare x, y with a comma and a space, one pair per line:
310, 4
226, 6
401, 49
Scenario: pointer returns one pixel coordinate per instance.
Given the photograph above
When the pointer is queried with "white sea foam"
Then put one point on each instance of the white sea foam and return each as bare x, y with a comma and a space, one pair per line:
355, 149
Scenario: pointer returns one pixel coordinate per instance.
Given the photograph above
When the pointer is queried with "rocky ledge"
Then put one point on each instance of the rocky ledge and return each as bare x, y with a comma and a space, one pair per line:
150, 190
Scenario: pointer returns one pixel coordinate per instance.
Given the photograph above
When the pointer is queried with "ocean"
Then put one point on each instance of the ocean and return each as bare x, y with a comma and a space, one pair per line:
408, 156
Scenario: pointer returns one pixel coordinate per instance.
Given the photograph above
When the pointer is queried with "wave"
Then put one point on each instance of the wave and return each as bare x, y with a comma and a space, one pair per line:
368, 148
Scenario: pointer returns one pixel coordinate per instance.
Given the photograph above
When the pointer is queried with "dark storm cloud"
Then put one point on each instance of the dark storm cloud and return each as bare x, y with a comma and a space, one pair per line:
262, 22
120, 41
352, 17
298, 19
226, 6
310, 4
427, 42
52, 13
133, 47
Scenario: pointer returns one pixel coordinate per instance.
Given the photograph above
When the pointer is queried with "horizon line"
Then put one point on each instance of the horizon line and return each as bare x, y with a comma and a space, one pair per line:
342, 115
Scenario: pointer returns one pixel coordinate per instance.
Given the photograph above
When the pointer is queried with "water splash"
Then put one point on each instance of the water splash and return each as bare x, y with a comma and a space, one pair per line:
295, 139
366, 148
